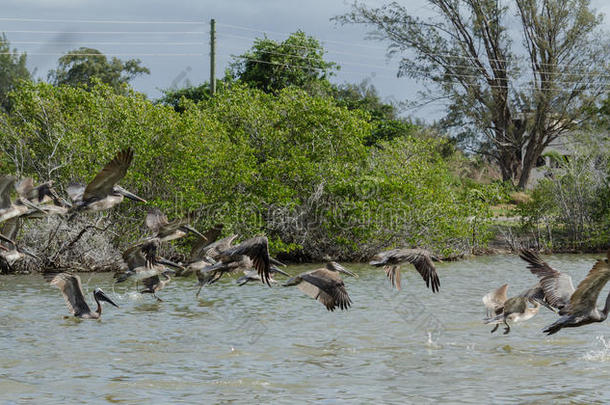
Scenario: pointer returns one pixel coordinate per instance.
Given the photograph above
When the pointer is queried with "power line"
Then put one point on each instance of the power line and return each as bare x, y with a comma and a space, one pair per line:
18, 19
104, 32
106, 43
104, 54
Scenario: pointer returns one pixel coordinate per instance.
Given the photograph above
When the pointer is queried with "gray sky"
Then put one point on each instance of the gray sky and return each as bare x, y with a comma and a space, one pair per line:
176, 47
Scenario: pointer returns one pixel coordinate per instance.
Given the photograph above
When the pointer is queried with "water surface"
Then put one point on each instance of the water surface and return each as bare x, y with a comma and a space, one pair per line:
254, 344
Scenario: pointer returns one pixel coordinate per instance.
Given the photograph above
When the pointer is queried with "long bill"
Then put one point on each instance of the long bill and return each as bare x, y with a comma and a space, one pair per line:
128, 194
103, 297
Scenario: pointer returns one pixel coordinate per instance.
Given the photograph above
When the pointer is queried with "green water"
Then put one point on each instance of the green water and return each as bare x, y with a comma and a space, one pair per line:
253, 344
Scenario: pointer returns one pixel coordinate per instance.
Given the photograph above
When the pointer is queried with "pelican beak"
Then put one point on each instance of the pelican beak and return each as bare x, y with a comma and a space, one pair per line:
166, 262
188, 228
274, 269
129, 194
343, 270
103, 297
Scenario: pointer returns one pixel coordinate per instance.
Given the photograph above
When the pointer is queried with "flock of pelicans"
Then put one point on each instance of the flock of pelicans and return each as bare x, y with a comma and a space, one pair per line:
211, 258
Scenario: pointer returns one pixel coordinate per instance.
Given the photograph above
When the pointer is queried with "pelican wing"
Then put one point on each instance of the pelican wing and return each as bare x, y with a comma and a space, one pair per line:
257, 249
515, 305
330, 288
155, 220
142, 253
25, 187
495, 299
10, 228
585, 297
6, 183
101, 186
557, 286
393, 273
420, 258
214, 250
72, 290
151, 283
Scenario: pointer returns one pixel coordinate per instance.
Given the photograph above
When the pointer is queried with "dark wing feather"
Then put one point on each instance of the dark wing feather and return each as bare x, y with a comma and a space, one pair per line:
211, 235
150, 283
10, 228
72, 290
258, 251
393, 273
101, 186
584, 298
423, 264
330, 284
557, 286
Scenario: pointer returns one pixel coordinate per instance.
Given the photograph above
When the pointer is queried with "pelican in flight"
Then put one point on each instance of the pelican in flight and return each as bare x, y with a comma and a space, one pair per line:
577, 307
165, 230
154, 283
203, 257
9, 209
201, 249
501, 309
142, 261
72, 290
103, 192
43, 196
420, 258
251, 253
10, 252
515, 309
324, 285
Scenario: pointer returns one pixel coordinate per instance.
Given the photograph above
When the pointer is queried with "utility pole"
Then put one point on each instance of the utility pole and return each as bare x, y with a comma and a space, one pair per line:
212, 56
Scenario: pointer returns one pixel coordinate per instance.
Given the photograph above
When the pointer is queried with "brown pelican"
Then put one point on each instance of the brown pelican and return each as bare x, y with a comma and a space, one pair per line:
251, 253
324, 285
9, 209
142, 261
165, 230
102, 192
199, 258
420, 258
203, 258
11, 252
581, 309
252, 275
495, 302
42, 195
515, 309
72, 290
154, 283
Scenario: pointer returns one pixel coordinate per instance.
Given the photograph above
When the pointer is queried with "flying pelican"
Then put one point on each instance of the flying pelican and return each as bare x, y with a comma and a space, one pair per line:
142, 261
581, 309
250, 253
199, 257
515, 309
252, 275
42, 196
495, 303
154, 283
102, 192
203, 258
165, 230
324, 285
8, 234
9, 209
72, 290
420, 258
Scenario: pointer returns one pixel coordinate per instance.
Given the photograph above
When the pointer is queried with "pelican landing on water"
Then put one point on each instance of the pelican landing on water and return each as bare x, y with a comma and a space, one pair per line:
102, 192
420, 258
324, 285
72, 290
577, 307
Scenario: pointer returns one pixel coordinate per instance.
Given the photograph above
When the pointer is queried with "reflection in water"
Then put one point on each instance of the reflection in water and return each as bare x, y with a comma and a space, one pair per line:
260, 344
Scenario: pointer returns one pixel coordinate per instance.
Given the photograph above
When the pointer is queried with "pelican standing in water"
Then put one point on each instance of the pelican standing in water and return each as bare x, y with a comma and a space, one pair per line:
165, 230
420, 258
72, 291
324, 285
103, 192
581, 309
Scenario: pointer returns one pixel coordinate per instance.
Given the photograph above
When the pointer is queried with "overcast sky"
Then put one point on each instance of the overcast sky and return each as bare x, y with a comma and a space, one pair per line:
172, 37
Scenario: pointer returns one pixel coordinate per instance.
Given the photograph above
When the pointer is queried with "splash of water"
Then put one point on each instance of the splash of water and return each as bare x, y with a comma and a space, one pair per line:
601, 355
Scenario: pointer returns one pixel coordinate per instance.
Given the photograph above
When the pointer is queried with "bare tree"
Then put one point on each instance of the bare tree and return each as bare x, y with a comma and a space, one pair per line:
516, 76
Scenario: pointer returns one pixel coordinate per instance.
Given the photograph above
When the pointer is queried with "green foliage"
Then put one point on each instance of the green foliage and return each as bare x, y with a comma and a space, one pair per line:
173, 97
81, 66
289, 165
271, 66
12, 70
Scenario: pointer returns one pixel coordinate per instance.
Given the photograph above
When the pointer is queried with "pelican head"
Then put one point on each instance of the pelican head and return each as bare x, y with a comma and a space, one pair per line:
100, 295
120, 190
334, 266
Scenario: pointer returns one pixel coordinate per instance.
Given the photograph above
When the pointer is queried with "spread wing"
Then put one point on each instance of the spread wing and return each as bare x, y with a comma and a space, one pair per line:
211, 235
420, 258
72, 290
326, 287
25, 187
142, 253
496, 298
258, 251
111, 174
6, 186
10, 228
557, 286
584, 298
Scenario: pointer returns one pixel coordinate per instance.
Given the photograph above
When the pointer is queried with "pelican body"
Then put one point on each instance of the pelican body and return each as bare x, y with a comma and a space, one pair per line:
143, 262
72, 291
165, 230
325, 285
420, 258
